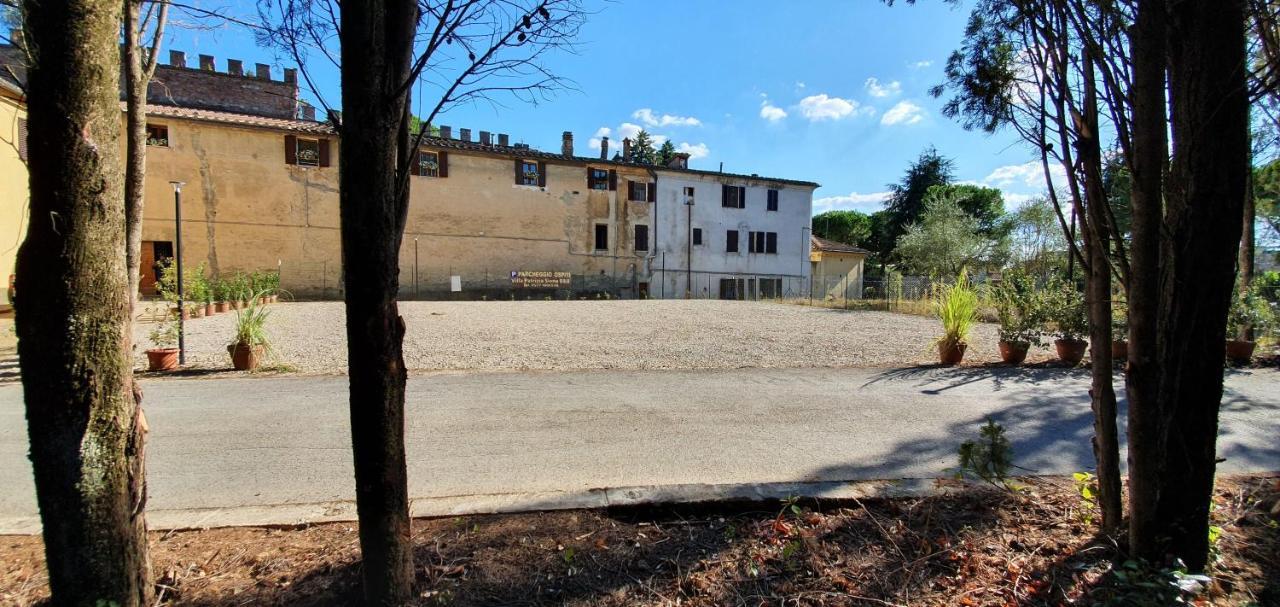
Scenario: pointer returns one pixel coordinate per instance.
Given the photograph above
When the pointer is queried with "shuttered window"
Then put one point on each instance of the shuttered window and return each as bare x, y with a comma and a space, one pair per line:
731, 241
305, 151
602, 237
642, 238
430, 164
530, 172
762, 242
773, 201
697, 237
733, 196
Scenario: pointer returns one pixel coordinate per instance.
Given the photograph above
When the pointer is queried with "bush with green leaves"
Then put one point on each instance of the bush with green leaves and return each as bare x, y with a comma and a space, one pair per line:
165, 334
1065, 309
251, 323
956, 305
1019, 308
989, 458
1250, 308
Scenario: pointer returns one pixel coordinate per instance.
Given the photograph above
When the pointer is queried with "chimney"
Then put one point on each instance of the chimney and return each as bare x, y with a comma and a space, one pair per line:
262, 70
446, 132
235, 67
290, 75
206, 63
484, 137
626, 149
308, 111
503, 140
177, 59
604, 148
566, 144
464, 135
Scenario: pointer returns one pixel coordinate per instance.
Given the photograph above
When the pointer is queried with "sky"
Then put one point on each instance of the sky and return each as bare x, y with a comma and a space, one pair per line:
834, 92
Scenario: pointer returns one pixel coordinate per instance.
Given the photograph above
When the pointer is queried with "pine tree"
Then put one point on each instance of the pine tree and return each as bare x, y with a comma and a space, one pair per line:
642, 149
666, 153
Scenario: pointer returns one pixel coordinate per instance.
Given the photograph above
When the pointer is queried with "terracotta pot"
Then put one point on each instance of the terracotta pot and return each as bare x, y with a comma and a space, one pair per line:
197, 312
275, 298
1013, 352
263, 299
221, 307
242, 304
951, 354
210, 310
1120, 350
245, 358
162, 359
1071, 351
1240, 352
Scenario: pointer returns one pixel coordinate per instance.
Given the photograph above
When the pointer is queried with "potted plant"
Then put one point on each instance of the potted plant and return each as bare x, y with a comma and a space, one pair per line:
163, 357
1248, 309
1119, 328
1018, 310
221, 289
1066, 310
272, 281
250, 343
956, 305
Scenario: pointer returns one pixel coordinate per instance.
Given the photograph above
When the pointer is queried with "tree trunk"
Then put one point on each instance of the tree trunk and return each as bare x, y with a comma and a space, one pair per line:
1247, 244
72, 312
377, 45
1106, 441
1147, 163
135, 86
1205, 199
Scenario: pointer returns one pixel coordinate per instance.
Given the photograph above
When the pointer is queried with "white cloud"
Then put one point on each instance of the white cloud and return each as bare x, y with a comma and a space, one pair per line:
1027, 175
771, 112
1015, 200
919, 65
875, 89
823, 107
594, 142
629, 131
647, 116
903, 113
870, 201
695, 151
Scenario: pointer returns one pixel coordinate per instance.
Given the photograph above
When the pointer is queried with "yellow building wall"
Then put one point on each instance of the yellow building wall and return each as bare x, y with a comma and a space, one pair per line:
837, 274
244, 208
13, 191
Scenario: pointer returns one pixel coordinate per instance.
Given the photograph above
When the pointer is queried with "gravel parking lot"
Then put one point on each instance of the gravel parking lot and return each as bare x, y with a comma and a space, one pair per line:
559, 335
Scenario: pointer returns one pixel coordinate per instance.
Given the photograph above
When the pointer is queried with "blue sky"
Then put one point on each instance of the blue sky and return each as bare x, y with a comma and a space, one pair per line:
832, 92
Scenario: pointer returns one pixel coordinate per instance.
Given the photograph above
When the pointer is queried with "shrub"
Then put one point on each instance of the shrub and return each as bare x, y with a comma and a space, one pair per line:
251, 323
1250, 308
1065, 308
165, 334
956, 305
990, 457
1019, 308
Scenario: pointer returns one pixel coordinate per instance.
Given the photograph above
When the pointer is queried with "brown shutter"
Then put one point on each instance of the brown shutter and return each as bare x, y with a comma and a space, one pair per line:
542, 174
290, 149
613, 179
442, 158
324, 152
653, 191
589, 184
415, 164
518, 176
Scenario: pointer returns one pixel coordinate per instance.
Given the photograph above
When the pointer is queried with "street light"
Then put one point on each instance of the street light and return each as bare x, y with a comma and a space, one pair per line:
177, 260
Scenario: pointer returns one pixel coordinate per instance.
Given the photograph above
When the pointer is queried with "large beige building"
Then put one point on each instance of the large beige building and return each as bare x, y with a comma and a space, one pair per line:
487, 217
13, 179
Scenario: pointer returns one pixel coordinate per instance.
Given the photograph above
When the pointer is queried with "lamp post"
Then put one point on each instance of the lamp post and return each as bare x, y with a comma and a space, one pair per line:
177, 260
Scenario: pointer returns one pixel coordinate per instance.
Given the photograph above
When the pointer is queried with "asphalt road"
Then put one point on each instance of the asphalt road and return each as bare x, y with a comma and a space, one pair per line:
235, 443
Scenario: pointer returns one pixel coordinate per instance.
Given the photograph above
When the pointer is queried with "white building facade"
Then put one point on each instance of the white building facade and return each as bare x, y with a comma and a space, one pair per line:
723, 236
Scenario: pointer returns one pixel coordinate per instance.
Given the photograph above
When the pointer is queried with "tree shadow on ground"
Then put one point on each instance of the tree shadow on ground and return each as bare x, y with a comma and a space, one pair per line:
936, 379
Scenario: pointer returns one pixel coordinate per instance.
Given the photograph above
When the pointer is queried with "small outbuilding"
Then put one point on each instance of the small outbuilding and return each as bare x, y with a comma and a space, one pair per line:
837, 269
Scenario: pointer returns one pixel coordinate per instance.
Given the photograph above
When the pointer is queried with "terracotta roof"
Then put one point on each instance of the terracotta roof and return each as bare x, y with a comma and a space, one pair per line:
831, 246
281, 124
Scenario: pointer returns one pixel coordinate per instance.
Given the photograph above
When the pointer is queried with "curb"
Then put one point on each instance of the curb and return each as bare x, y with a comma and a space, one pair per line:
506, 503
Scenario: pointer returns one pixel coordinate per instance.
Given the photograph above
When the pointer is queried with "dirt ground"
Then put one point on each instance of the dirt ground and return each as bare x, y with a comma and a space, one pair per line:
572, 335
974, 546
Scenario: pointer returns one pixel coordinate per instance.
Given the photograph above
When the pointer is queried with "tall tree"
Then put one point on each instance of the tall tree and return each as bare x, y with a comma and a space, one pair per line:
666, 152
465, 51
985, 205
849, 227
642, 149
906, 198
946, 239
140, 60
72, 311
1198, 238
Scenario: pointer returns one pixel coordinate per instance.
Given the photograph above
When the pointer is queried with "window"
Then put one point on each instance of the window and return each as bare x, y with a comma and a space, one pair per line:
428, 164
642, 238
731, 241
770, 288
762, 242
309, 152
734, 197
158, 135
602, 237
530, 172
688, 195
773, 201
697, 237
639, 191
306, 152
598, 179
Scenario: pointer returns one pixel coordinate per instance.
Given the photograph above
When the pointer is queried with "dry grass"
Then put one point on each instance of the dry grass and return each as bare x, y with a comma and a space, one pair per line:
967, 547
